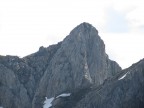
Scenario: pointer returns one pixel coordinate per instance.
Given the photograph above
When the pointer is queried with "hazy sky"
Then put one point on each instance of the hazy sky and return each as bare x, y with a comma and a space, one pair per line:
25, 25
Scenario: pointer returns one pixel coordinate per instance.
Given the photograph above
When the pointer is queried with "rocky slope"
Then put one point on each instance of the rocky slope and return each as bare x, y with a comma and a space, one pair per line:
19, 77
77, 65
125, 90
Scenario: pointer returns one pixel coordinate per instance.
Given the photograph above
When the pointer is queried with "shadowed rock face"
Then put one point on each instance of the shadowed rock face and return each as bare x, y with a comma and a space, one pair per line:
12, 92
120, 92
19, 77
79, 61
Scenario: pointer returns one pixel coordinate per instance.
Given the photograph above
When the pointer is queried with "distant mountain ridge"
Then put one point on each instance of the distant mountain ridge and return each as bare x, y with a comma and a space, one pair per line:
77, 65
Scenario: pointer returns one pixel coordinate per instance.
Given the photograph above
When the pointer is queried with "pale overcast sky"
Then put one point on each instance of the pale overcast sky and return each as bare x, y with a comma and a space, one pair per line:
25, 25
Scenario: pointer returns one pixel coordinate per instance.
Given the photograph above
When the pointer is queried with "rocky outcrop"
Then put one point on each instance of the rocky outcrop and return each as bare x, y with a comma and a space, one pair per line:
40, 60
79, 62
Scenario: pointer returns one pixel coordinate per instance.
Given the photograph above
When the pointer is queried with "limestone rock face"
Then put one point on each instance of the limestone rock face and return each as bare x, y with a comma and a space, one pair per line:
79, 62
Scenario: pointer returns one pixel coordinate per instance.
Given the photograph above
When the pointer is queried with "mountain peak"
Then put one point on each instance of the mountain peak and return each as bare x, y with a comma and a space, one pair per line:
85, 25
79, 61
84, 28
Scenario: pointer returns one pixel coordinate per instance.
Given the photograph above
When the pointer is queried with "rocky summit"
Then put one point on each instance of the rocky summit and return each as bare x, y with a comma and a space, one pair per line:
75, 73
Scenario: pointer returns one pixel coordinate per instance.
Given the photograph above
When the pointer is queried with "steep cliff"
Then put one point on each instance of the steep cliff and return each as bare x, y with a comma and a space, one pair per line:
79, 62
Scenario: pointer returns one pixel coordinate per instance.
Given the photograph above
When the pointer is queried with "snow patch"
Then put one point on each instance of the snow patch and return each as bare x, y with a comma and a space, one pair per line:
47, 102
64, 95
123, 76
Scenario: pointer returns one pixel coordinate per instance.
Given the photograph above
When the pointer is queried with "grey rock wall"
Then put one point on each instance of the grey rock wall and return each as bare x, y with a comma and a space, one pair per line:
79, 61
12, 93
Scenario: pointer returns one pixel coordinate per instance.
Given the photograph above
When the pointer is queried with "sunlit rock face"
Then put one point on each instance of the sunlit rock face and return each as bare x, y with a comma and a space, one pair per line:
79, 62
